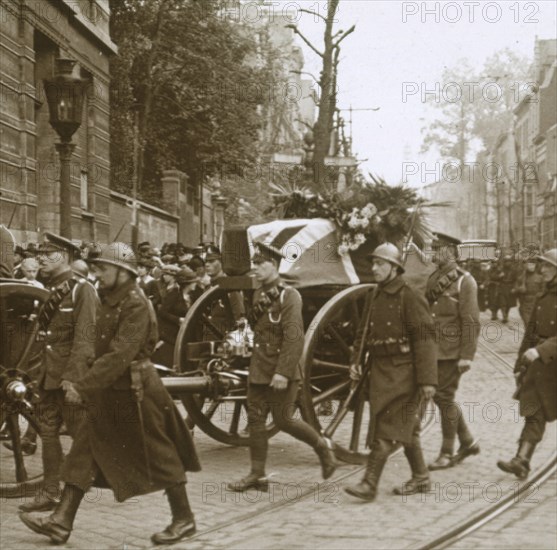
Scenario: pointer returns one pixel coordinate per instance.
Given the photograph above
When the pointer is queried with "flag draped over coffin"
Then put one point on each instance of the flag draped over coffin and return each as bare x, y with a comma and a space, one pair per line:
310, 257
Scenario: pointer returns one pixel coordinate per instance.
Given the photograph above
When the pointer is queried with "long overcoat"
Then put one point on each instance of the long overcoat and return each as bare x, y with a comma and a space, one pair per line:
112, 448
402, 356
539, 387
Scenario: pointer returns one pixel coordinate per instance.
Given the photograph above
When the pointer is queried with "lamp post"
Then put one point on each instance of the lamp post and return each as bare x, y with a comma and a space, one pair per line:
64, 94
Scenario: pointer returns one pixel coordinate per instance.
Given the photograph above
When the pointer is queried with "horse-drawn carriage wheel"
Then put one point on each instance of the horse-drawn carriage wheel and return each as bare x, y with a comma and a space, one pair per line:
326, 363
20, 443
221, 416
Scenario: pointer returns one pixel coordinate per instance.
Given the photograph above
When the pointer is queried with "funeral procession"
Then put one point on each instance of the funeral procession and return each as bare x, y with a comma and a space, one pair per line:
278, 274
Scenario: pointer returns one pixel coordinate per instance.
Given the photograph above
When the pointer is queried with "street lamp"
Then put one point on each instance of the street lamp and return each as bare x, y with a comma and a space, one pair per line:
64, 94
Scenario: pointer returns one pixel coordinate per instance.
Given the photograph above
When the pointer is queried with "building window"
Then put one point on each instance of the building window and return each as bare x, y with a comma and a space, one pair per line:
189, 195
528, 201
84, 191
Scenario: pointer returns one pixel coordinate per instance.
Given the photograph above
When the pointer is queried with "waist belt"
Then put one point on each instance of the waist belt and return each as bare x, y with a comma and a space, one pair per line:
384, 348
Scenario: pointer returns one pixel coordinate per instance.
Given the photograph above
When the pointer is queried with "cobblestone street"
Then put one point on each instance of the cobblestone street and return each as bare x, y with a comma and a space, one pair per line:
326, 517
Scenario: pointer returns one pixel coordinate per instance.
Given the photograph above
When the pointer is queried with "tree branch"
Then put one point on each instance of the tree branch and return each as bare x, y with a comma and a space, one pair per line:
345, 34
295, 29
312, 13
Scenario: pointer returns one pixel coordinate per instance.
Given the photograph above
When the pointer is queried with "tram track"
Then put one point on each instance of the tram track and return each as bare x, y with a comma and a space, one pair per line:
304, 494
445, 539
475, 522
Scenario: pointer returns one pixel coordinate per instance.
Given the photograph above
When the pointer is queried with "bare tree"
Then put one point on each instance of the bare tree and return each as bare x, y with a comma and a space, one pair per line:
328, 85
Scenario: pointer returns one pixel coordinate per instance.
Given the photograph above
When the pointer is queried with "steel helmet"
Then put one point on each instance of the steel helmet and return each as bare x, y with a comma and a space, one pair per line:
118, 254
390, 253
550, 256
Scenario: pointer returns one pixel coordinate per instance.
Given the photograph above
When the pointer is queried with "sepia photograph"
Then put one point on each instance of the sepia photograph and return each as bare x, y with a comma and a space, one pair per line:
278, 274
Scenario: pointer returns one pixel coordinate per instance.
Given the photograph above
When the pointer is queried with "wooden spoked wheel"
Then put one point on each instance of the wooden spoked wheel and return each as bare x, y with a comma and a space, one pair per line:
20, 439
326, 361
222, 417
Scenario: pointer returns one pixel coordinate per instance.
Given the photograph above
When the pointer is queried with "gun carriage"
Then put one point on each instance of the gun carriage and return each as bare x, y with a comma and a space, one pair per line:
19, 361
213, 347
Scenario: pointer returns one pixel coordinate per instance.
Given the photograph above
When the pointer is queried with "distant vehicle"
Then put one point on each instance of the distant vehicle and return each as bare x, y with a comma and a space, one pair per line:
478, 249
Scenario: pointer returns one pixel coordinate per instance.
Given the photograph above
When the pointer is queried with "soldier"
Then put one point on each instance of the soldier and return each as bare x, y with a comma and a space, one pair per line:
135, 439
528, 285
274, 371
403, 372
536, 370
65, 322
452, 295
502, 282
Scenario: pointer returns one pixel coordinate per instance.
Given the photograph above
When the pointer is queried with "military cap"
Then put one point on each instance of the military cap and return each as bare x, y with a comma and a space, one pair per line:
144, 244
54, 243
264, 253
442, 239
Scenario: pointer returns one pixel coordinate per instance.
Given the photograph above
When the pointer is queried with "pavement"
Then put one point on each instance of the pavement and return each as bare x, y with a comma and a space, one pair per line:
326, 517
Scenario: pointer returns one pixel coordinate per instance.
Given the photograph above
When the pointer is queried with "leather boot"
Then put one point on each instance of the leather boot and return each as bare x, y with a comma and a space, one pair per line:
420, 475
443, 461
324, 450
466, 450
367, 488
254, 480
59, 524
520, 464
183, 524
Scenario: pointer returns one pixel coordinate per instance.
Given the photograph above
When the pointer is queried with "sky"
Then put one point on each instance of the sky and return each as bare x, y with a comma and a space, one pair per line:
398, 51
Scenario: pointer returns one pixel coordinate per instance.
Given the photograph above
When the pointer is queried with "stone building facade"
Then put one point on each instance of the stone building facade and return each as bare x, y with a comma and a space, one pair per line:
33, 34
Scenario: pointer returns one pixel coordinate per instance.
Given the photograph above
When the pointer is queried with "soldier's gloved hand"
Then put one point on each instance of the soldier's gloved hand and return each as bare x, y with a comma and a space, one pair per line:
530, 355
427, 392
464, 365
355, 372
279, 382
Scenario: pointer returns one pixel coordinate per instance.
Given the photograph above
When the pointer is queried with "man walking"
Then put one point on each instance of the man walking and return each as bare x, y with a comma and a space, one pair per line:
536, 370
401, 359
453, 296
66, 324
135, 440
274, 372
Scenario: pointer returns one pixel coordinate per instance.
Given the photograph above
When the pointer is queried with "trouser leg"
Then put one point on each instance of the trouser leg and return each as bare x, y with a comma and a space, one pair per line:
283, 408
531, 435
444, 398
50, 419
258, 410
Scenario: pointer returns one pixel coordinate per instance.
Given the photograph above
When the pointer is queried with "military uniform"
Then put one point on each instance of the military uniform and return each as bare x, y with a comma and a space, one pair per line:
529, 286
502, 280
538, 392
66, 326
134, 440
277, 323
401, 358
452, 294
537, 378
110, 449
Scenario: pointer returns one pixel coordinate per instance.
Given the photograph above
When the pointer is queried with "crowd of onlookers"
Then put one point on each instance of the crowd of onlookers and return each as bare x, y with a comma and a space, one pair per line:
172, 277
175, 275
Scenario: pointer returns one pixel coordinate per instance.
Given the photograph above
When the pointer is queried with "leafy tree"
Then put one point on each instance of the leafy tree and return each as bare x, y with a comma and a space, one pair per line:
184, 85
